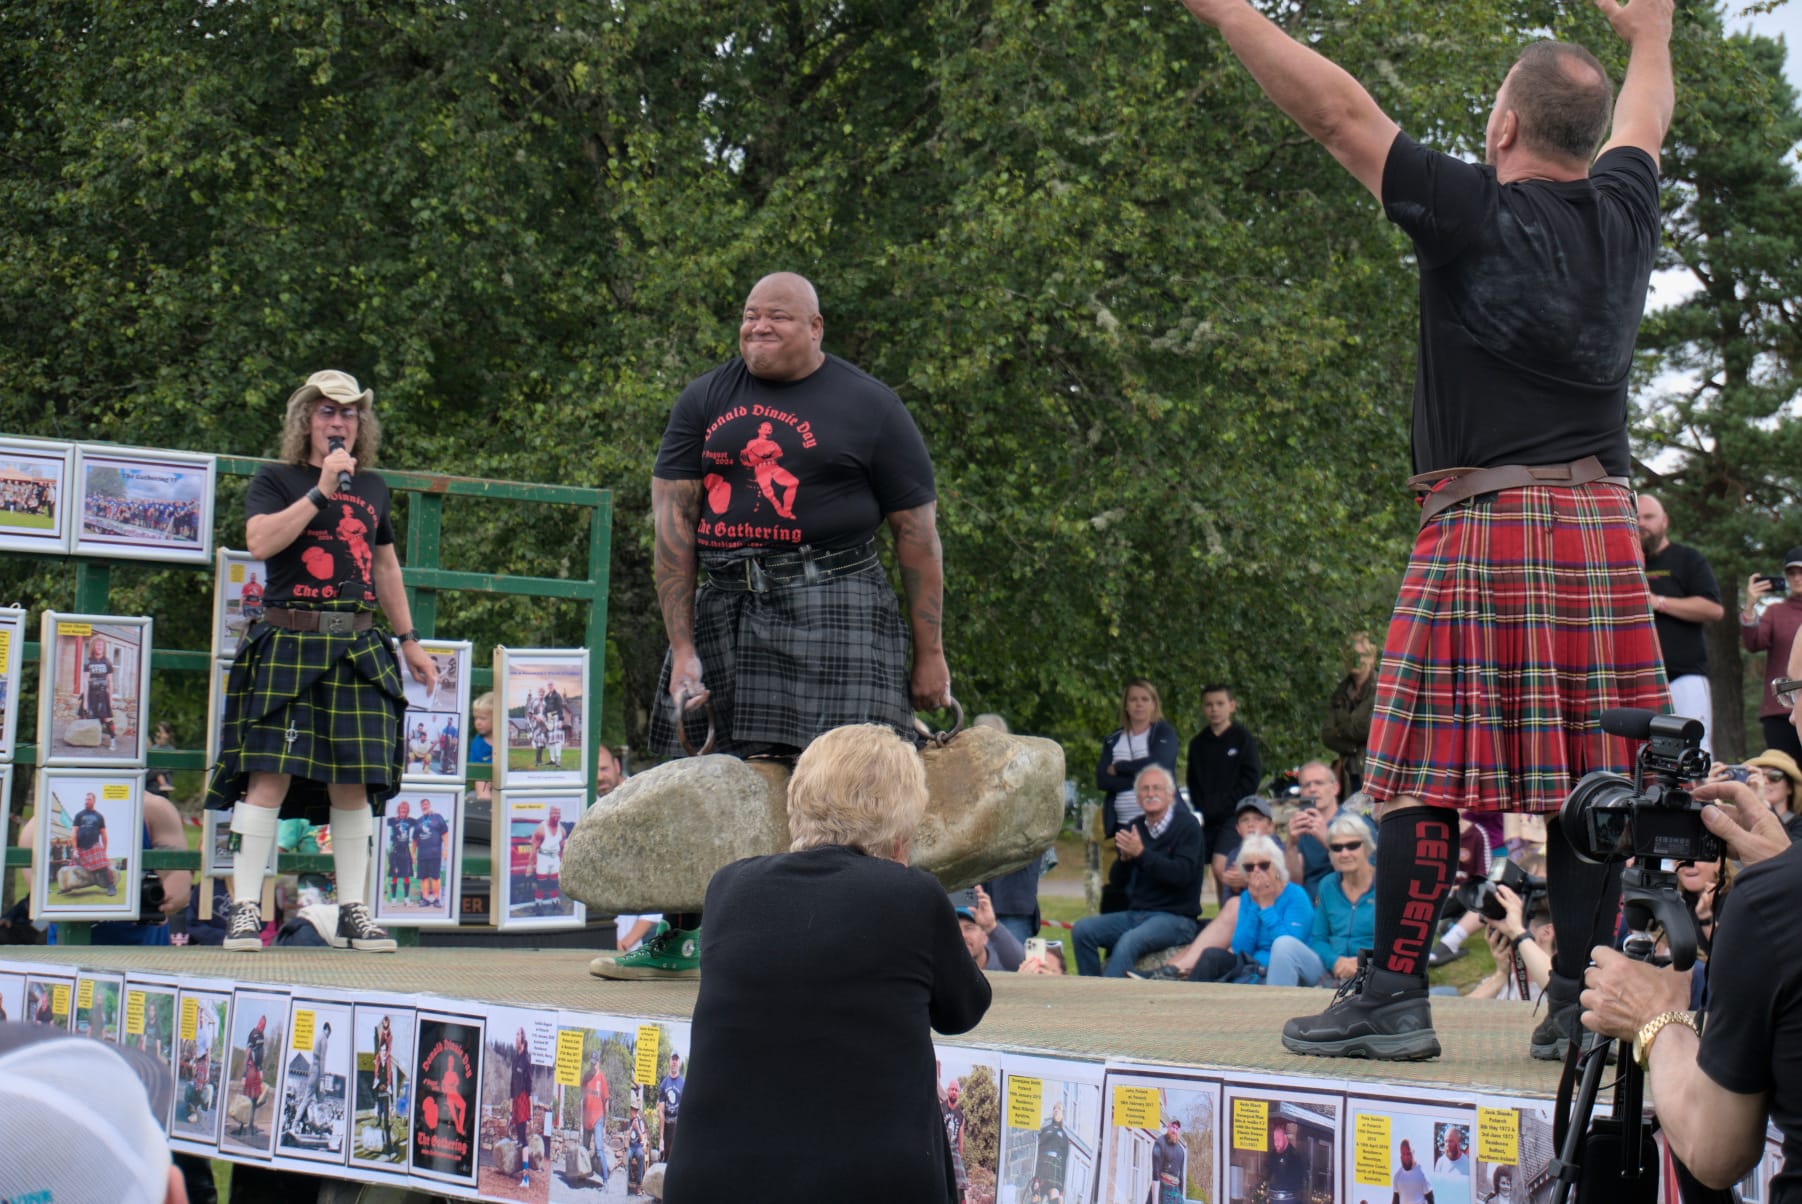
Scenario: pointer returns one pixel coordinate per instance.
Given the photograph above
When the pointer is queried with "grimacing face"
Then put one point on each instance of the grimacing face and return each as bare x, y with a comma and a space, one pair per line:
779, 332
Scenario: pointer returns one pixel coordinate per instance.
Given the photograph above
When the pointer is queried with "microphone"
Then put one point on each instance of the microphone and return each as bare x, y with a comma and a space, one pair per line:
1631, 723
336, 443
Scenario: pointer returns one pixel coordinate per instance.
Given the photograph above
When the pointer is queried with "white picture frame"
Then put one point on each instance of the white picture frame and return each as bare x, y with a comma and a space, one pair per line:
70, 881
397, 871
314, 1109
528, 736
34, 477
394, 1068
143, 504
12, 660
202, 1059
439, 719
72, 693
253, 1100
215, 713
239, 581
216, 858
6, 801
521, 899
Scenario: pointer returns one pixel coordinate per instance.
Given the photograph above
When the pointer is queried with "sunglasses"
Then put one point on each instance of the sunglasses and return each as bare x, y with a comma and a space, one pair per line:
329, 412
1252, 867
1346, 847
1775, 775
1788, 691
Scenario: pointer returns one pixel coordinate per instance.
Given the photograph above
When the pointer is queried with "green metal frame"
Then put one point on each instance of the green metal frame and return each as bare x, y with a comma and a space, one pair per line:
425, 579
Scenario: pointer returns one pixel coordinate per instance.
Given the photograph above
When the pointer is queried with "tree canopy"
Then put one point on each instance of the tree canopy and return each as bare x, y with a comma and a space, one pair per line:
1160, 345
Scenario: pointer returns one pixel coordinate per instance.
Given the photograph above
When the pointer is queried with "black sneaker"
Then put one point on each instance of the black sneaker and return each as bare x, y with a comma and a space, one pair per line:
358, 929
1548, 1043
245, 928
1376, 1015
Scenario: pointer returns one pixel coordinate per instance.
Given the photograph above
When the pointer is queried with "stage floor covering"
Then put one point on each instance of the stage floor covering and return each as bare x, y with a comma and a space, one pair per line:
1090, 1019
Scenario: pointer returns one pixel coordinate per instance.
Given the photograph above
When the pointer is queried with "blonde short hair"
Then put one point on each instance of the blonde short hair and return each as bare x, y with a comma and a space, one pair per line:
861, 785
483, 705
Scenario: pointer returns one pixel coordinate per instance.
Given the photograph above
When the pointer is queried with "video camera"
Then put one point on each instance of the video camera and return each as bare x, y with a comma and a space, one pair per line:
1479, 894
1652, 817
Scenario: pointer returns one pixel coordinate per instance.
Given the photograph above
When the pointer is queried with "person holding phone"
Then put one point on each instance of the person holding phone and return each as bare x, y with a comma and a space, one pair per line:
1771, 629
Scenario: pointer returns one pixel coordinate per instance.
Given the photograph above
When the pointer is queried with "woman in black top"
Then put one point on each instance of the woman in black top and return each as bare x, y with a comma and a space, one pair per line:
825, 972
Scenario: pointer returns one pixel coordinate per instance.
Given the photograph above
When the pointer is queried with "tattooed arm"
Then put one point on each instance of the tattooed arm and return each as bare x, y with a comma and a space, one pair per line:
921, 558
676, 509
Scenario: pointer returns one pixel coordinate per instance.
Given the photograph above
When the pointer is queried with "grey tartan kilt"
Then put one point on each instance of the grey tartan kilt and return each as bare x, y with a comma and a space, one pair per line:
321, 708
787, 665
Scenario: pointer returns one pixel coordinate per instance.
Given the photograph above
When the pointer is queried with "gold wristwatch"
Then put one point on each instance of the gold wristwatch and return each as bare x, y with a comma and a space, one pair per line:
1642, 1044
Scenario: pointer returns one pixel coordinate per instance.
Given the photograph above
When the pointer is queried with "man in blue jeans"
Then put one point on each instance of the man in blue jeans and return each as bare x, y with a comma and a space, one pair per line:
1165, 853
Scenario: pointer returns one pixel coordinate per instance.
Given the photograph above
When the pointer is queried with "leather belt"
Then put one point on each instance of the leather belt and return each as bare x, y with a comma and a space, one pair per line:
1469, 482
330, 622
788, 570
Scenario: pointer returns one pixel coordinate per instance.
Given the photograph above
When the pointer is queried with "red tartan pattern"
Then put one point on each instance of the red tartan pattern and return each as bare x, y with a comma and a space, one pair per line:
1523, 616
93, 858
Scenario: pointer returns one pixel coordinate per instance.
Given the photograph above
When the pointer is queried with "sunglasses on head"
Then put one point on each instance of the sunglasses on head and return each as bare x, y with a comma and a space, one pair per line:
1347, 847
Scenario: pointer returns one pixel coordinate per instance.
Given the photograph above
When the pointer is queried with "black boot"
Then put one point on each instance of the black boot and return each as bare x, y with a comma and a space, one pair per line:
1378, 1015
1563, 1017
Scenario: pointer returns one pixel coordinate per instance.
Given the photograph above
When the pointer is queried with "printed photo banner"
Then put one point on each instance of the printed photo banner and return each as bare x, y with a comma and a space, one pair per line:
313, 1116
12, 993
446, 1070
99, 998
93, 689
437, 747
144, 504
1408, 1145
203, 1013
1051, 1116
383, 1045
88, 846
969, 1086
259, 1045
34, 494
1160, 1136
1280, 1143
518, 1106
12, 657
150, 1020
50, 997
611, 1074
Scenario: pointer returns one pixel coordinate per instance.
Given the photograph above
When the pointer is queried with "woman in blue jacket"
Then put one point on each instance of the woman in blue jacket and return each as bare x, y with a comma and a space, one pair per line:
1271, 909
1344, 913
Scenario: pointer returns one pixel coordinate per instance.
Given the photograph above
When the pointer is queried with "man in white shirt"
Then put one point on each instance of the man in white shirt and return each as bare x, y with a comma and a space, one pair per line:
1455, 1160
1411, 1184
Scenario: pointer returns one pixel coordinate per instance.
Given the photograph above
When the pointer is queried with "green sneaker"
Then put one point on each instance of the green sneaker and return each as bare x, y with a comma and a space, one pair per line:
675, 953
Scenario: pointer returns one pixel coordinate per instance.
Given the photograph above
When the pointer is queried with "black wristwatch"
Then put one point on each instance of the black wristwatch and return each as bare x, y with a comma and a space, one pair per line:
1525, 936
408, 636
318, 499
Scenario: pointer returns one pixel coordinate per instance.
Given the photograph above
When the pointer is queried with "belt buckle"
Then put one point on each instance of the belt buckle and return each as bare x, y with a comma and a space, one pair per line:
337, 622
756, 580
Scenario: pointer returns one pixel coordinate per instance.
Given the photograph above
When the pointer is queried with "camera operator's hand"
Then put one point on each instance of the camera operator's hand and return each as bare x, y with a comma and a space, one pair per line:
1514, 920
1744, 821
1620, 994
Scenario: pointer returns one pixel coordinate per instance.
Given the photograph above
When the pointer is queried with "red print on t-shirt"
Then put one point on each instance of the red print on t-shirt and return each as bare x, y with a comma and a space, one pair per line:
318, 562
760, 456
719, 492
352, 531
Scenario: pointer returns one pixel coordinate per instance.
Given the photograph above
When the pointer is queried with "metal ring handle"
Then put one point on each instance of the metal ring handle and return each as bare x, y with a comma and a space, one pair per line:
682, 726
940, 739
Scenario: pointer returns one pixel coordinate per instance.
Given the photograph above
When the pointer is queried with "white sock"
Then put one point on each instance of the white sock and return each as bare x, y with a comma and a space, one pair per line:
351, 827
256, 828
1453, 938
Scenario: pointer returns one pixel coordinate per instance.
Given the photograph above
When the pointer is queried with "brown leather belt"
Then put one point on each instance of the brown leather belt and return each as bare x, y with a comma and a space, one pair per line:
1469, 482
331, 622
787, 570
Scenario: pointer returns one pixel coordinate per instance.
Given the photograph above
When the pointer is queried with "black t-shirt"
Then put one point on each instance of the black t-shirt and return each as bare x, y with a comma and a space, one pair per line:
88, 827
817, 461
1680, 572
1530, 298
333, 558
1053, 1154
1752, 1042
400, 835
429, 830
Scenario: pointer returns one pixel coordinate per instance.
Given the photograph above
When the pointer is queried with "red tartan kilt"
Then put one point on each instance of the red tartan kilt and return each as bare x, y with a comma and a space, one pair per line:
1522, 617
253, 1082
522, 1109
93, 859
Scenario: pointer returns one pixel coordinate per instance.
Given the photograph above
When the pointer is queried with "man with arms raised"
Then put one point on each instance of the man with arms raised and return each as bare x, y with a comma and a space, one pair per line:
1523, 613
795, 629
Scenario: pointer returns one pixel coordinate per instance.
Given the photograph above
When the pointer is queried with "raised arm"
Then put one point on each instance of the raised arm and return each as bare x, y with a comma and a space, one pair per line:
1318, 95
918, 552
675, 509
1642, 112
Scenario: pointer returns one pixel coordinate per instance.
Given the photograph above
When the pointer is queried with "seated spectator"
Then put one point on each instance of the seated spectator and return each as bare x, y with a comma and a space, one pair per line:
993, 947
1252, 817
1319, 806
1051, 963
1271, 907
1144, 738
1773, 773
1162, 849
1514, 938
1345, 914
1704, 887
1475, 856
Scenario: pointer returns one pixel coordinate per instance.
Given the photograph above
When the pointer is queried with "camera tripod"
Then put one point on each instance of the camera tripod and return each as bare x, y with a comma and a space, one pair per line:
1648, 896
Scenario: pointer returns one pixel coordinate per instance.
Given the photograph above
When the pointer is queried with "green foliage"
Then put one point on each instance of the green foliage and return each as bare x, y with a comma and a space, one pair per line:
980, 1098
1156, 339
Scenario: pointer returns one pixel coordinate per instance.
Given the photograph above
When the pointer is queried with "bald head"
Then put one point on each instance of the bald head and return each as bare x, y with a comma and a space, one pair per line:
779, 333
1562, 102
1654, 525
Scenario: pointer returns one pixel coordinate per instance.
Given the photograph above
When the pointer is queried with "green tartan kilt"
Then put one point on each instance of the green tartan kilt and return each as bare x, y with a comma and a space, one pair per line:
320, 708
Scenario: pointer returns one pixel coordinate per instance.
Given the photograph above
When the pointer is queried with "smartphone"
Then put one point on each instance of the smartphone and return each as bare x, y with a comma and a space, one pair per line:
1035, 947
964, 898
1778, 583
1739, 773
1307, 804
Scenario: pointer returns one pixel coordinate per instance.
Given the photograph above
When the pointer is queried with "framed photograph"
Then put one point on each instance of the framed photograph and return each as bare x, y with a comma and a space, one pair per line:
144, 504
383, 1045
238, 584
259, 1043
94, 690
88, 849
203, 1028
540, 737
530, 830
12, 656
50, 999
445, 1111
6, 798
436, 749
216, 856
34, 487
12, 996
419, 855
97, 1001
316, 1083
215, 712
